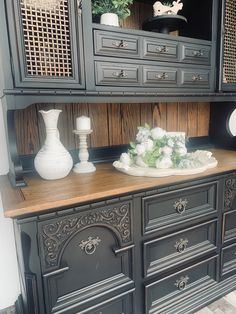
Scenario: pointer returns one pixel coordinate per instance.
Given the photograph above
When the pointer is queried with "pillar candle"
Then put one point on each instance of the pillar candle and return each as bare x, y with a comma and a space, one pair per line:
83, 123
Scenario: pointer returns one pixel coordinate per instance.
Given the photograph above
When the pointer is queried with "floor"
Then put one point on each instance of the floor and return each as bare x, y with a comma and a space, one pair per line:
226, 305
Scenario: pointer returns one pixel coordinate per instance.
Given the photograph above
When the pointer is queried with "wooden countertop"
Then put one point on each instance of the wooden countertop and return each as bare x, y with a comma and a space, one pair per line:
40, 195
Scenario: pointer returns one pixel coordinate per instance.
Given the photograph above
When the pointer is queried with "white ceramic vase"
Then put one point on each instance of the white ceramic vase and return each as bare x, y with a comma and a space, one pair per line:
109, 19
53, 161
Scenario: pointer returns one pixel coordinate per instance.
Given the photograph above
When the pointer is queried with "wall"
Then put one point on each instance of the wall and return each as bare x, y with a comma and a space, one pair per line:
9, 278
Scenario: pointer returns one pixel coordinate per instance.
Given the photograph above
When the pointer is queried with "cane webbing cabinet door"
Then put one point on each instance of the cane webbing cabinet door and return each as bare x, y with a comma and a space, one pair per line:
228, 46
46, 43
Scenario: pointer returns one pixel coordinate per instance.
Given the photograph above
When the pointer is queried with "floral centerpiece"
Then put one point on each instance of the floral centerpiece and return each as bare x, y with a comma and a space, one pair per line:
154, 148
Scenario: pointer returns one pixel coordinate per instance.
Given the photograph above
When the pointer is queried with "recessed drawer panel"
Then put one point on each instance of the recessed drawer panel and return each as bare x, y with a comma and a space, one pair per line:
174, 208
113, 44
160, 50
228, 260
159, 76
121, 305
196, 54
229, 226
117, 74
195, 78
171, 250
169, 294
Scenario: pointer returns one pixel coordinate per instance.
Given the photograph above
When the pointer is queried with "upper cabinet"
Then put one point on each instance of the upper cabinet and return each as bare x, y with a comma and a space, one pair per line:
46, 43
179, 57
228, 46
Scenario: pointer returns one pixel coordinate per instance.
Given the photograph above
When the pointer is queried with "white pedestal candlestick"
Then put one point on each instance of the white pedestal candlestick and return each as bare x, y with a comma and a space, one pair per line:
84, 166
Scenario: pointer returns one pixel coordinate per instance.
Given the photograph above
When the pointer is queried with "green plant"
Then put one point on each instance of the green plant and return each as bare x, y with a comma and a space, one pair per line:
120, 7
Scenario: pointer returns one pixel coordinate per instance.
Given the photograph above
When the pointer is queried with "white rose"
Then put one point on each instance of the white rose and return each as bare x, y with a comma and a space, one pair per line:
166, 150
170, 142
140, 149
182, 151
164, 163
142, 135
180, 144
148, 144
139, 162
125, 159
157, 133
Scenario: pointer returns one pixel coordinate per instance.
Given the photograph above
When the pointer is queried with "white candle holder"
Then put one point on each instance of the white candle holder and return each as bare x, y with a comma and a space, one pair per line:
84, 166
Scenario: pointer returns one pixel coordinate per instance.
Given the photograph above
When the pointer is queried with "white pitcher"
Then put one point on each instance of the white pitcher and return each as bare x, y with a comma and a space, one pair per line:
53, 161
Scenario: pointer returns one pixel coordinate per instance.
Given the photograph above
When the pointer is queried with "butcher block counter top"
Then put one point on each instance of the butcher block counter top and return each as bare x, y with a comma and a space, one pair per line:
40, 195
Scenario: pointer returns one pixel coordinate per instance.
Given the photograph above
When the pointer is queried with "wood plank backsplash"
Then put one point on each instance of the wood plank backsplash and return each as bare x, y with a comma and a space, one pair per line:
112, 124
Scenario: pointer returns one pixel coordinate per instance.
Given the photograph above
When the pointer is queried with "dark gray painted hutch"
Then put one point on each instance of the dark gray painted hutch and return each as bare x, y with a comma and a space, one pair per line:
163, 250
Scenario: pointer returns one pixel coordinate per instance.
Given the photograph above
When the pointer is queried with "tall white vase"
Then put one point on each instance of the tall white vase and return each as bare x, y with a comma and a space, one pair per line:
53, 161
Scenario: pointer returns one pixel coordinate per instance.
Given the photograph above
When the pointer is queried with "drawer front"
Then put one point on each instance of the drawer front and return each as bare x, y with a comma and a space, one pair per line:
160, 49
229, 226
117, 74
228, 261
85, 256
169, 294
107, 43
172, 250
195, 78
174, 208
159, 76
122, 305
196, 54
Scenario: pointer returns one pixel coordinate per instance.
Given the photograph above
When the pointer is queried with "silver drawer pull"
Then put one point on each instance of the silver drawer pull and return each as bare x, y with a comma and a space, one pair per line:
196, 78
180, 205
198, 53
162, 76
181, 245
162, 49
123, 249
181, 283
89, 246
121, 74
120, 44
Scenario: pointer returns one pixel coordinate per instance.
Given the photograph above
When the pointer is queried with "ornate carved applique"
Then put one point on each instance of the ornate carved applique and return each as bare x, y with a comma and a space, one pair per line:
230, 192
56, 234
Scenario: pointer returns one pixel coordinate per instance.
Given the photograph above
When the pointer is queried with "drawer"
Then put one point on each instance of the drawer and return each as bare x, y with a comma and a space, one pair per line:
196, 54
160, 50
228, 261
86, 255
169, 294
121, 305
113, 44
172, 250
177, 207
195, 78
117, 74
159, 76
229, 226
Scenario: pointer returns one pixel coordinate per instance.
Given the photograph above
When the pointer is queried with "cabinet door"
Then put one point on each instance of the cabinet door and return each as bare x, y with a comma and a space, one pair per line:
46, 43
228, 46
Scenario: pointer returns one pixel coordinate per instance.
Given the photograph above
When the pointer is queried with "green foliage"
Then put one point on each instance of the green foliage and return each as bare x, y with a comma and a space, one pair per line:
120, 7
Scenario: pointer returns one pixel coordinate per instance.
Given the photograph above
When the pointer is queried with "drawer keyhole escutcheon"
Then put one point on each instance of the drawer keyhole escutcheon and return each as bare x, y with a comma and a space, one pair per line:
180, 205
198, 53
162, 76
196, 78
121, 74
120, 44
162, 49
181, 283
181, 245
89, 246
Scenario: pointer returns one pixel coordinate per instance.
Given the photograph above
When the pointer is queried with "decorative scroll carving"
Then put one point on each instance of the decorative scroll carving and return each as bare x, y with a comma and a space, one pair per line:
55, 235
230, 192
